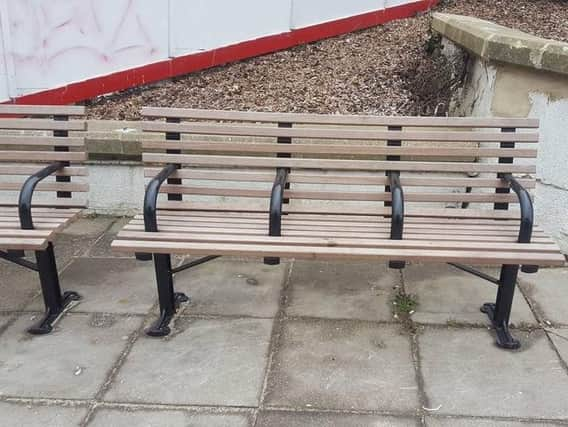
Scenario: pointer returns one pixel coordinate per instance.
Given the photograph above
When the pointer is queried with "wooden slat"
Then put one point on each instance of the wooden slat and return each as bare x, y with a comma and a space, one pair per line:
22, 244
341, 210
41, 141
48, 186
42, 124
412, 235
8, 210
333, 242
37, 234
370, 165
43, 110
288, 220
253, 116
42, 156
360, 254
343, 179
347, 134
28, 170
60, 203
351, 150
345, 196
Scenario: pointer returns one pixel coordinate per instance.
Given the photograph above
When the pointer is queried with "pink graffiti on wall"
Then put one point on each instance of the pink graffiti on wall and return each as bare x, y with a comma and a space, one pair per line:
57, 41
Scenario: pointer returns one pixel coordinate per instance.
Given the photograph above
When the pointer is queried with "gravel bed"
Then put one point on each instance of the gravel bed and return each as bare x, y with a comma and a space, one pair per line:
391, 69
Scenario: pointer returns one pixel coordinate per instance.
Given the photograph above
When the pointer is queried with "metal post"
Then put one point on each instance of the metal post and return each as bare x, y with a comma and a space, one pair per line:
167, 298
500, 312
508, 160
65, 148
54, 301
392, 143
285, 140
174, 136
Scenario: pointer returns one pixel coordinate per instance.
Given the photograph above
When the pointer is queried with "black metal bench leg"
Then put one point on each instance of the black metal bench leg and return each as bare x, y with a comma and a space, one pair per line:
168, 299
500, 312
55, 302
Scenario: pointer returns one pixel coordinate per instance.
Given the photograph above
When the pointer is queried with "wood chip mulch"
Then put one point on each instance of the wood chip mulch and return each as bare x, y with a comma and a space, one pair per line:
392, 69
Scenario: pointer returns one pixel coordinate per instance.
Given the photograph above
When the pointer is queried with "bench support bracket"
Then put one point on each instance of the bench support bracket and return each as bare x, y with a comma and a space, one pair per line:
500, 312
55, 301
168, 299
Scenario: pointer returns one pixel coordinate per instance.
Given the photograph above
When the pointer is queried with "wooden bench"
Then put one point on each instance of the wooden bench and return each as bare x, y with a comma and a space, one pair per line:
333, 187
38, 198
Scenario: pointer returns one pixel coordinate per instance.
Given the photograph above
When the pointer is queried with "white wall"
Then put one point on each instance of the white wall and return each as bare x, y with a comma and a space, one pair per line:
50, 43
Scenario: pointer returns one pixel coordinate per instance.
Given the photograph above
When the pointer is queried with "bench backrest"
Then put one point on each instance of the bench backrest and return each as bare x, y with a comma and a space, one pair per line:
337, 163
32, 137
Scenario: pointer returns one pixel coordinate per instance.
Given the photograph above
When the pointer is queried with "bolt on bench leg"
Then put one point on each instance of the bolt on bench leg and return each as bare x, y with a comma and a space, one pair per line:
55, 302
168, 299
500, 312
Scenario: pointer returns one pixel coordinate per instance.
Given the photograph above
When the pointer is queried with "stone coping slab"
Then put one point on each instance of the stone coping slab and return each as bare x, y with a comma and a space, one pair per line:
494, 42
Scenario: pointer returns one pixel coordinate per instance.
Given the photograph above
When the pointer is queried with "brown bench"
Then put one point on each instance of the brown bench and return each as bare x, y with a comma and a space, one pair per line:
330, 187
38, 161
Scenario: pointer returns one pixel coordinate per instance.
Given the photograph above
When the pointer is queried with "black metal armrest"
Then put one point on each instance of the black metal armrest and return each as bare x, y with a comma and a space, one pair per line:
151, 197
27, 192
397, 212
527, 215
275, 218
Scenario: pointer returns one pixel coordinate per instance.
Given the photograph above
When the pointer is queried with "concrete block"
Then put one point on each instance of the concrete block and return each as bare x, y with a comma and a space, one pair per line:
318, 419
560, 339
160, 418
203, 362
466, 374
109, 285
230, 287
480, 422
25, 415
71, 362
548, 291
343, 365
17, 286
342, 290
446, 294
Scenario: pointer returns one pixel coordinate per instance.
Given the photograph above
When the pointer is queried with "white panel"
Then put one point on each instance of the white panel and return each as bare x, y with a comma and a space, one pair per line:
199, 25
4, 90
62, 41
311, 12
392, 3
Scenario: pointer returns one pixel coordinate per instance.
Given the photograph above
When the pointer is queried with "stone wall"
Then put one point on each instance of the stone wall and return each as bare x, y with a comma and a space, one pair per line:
513, 74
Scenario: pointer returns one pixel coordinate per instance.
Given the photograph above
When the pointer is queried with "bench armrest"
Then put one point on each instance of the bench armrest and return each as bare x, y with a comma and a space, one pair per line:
276, 199
27, 192
151, 197
275, 218
527, 215
397, 212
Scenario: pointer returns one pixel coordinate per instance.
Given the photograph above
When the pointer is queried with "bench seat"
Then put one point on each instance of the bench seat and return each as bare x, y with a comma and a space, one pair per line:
47, 222
328, 237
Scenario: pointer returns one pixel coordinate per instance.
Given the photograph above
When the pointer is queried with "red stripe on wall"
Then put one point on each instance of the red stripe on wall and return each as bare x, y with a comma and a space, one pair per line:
172, 67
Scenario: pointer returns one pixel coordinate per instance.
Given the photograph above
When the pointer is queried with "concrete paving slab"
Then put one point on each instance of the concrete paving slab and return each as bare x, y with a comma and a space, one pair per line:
319, 419
25, 415
466, 374
229, 287
342, 365
17, 286
560, 339
446, 294
479, 422
109, 285
71, 362
342, 290
203, 362
102, 246
548, 290
77, 239
160, 418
